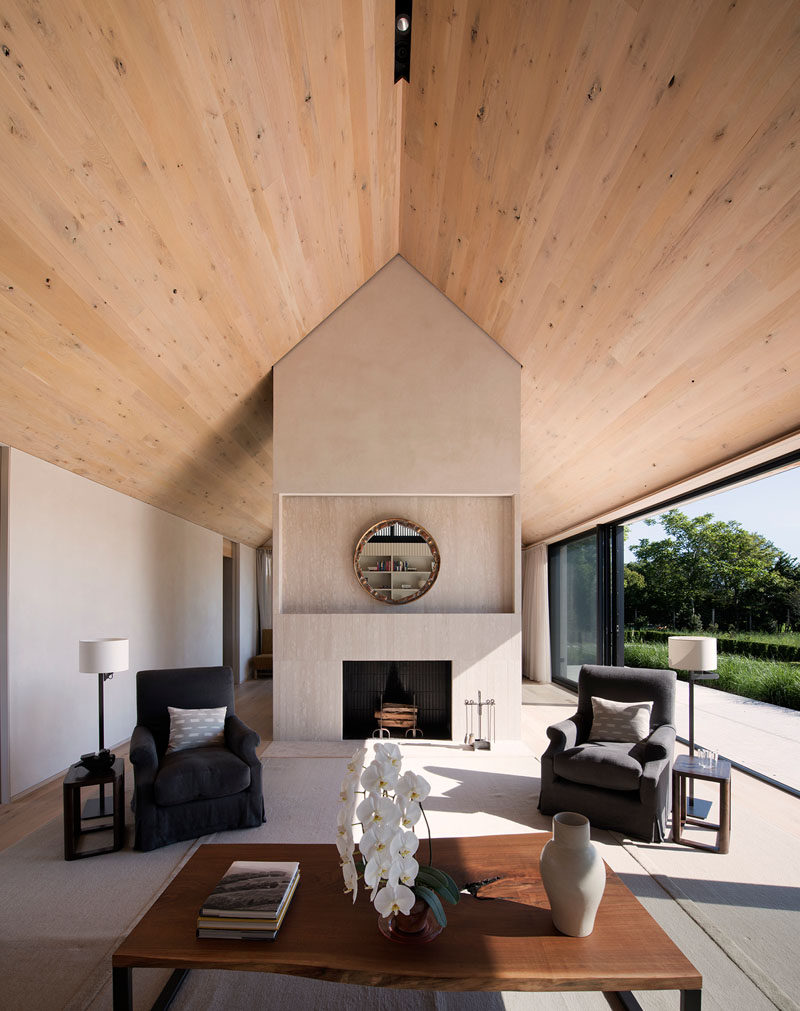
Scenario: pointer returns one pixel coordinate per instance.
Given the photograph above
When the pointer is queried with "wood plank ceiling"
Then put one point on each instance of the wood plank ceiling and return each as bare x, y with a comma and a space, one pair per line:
610, 189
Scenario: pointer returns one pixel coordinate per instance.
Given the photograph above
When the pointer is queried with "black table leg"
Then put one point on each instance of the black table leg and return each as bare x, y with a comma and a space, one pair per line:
628, 1001
122, 989
171, 987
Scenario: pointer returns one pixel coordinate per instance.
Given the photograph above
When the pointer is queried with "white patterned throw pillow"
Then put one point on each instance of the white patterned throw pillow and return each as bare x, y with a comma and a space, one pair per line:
195, 728
626, 722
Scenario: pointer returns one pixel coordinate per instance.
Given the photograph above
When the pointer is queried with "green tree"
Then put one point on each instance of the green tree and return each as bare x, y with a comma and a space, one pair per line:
712, 570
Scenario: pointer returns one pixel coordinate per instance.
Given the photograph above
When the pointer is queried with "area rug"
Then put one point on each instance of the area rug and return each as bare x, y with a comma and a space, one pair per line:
60, 922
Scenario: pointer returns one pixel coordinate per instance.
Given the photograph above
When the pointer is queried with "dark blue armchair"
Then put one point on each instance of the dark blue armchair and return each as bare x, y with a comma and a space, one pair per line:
188, 793
624, 786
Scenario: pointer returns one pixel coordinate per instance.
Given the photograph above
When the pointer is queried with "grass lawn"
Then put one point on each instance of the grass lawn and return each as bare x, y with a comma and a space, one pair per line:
763, 680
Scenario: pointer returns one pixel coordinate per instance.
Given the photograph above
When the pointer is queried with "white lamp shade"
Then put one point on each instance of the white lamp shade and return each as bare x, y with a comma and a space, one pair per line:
692, 652
102, 656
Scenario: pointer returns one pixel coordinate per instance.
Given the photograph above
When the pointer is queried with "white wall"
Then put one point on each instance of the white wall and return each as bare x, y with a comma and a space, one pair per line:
397, 401
86, 561
397, 392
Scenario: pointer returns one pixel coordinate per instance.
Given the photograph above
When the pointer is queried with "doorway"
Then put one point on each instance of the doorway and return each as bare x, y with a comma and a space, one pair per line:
230, 606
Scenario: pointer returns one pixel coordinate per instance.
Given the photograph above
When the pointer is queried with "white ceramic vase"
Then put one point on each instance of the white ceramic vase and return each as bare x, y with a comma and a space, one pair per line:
573, 874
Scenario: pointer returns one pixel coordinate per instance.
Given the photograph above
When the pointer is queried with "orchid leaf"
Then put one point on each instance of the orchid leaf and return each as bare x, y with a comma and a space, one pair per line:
440, 882
423, 892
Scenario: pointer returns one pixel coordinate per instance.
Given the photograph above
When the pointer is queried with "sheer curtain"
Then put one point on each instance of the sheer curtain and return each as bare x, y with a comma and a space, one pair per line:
264, 587
535, 615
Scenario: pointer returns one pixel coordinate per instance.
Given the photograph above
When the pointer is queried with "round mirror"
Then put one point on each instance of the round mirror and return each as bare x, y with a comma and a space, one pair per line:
396, 561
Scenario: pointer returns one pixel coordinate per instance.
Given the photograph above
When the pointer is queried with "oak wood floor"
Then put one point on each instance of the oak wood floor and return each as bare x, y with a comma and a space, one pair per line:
36, 807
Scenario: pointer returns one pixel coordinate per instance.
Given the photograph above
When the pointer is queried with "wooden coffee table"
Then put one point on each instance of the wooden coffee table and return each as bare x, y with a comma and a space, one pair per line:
508, 943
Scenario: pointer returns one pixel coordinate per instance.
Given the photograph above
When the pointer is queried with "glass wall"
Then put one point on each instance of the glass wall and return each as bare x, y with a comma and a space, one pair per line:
572, 572
586, 601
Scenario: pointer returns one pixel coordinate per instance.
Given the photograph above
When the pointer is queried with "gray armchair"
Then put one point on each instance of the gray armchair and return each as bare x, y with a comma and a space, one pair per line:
622, 786
191, 792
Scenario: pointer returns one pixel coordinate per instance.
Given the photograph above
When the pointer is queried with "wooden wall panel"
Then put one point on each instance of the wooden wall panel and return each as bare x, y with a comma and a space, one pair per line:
611, 191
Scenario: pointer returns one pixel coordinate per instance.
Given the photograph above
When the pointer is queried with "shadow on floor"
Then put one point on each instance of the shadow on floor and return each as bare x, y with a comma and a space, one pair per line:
716, 892
504, 795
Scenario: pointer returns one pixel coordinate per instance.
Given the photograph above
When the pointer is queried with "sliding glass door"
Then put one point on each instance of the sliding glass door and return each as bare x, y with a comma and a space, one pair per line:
585, 575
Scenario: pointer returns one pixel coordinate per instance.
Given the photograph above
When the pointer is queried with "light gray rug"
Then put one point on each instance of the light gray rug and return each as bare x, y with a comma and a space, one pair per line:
60, 922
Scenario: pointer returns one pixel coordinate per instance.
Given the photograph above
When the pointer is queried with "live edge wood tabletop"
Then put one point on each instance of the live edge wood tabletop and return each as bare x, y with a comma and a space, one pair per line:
505, 941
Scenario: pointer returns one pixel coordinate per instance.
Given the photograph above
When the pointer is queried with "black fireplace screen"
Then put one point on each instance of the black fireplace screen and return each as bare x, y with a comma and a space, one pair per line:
426, 684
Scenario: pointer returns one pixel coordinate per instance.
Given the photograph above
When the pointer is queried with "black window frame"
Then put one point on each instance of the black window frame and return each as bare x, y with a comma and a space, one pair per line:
611, 561
609, 553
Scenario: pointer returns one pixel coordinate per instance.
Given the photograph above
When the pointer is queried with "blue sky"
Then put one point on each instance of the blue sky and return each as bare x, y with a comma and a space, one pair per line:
770, 507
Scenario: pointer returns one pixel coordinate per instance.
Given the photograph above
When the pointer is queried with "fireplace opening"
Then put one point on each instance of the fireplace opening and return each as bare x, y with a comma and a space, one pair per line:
414, 697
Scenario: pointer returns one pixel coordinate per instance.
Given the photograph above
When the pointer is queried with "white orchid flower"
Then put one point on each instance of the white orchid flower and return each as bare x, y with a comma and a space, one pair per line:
377, 839
389, 753
356, 763
403, 871
394, 899
366, 844
347, 791
379, 777
413, 788
378, 810
377, 869
346, 847
404, 844
350, 878
344, 820
410, 816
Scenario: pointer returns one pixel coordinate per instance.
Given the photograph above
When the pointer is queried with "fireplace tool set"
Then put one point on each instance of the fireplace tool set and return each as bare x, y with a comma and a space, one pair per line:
479, 743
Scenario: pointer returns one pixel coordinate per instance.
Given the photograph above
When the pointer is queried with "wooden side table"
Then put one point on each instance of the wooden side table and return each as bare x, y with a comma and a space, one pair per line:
690, 768
78, 777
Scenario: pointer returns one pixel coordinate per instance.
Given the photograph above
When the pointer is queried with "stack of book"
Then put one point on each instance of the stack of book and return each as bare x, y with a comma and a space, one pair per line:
250, 901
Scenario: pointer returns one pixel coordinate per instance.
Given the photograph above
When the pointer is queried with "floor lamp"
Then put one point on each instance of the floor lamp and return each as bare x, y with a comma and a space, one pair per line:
696, 654
101, 657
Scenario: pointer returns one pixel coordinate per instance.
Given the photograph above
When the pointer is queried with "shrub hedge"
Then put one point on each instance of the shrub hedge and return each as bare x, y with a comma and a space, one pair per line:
787, 652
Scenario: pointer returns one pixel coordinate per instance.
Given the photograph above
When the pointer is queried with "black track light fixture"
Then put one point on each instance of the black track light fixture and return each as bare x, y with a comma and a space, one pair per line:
402, 39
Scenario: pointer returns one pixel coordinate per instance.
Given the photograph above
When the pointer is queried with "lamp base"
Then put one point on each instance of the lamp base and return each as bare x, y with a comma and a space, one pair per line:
98, 763
696, 808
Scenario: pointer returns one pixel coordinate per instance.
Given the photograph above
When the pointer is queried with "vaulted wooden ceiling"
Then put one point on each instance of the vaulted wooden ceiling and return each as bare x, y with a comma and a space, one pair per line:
610, 189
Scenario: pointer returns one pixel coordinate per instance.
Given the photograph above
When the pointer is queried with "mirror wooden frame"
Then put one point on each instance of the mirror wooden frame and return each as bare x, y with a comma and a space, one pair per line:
374, 591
